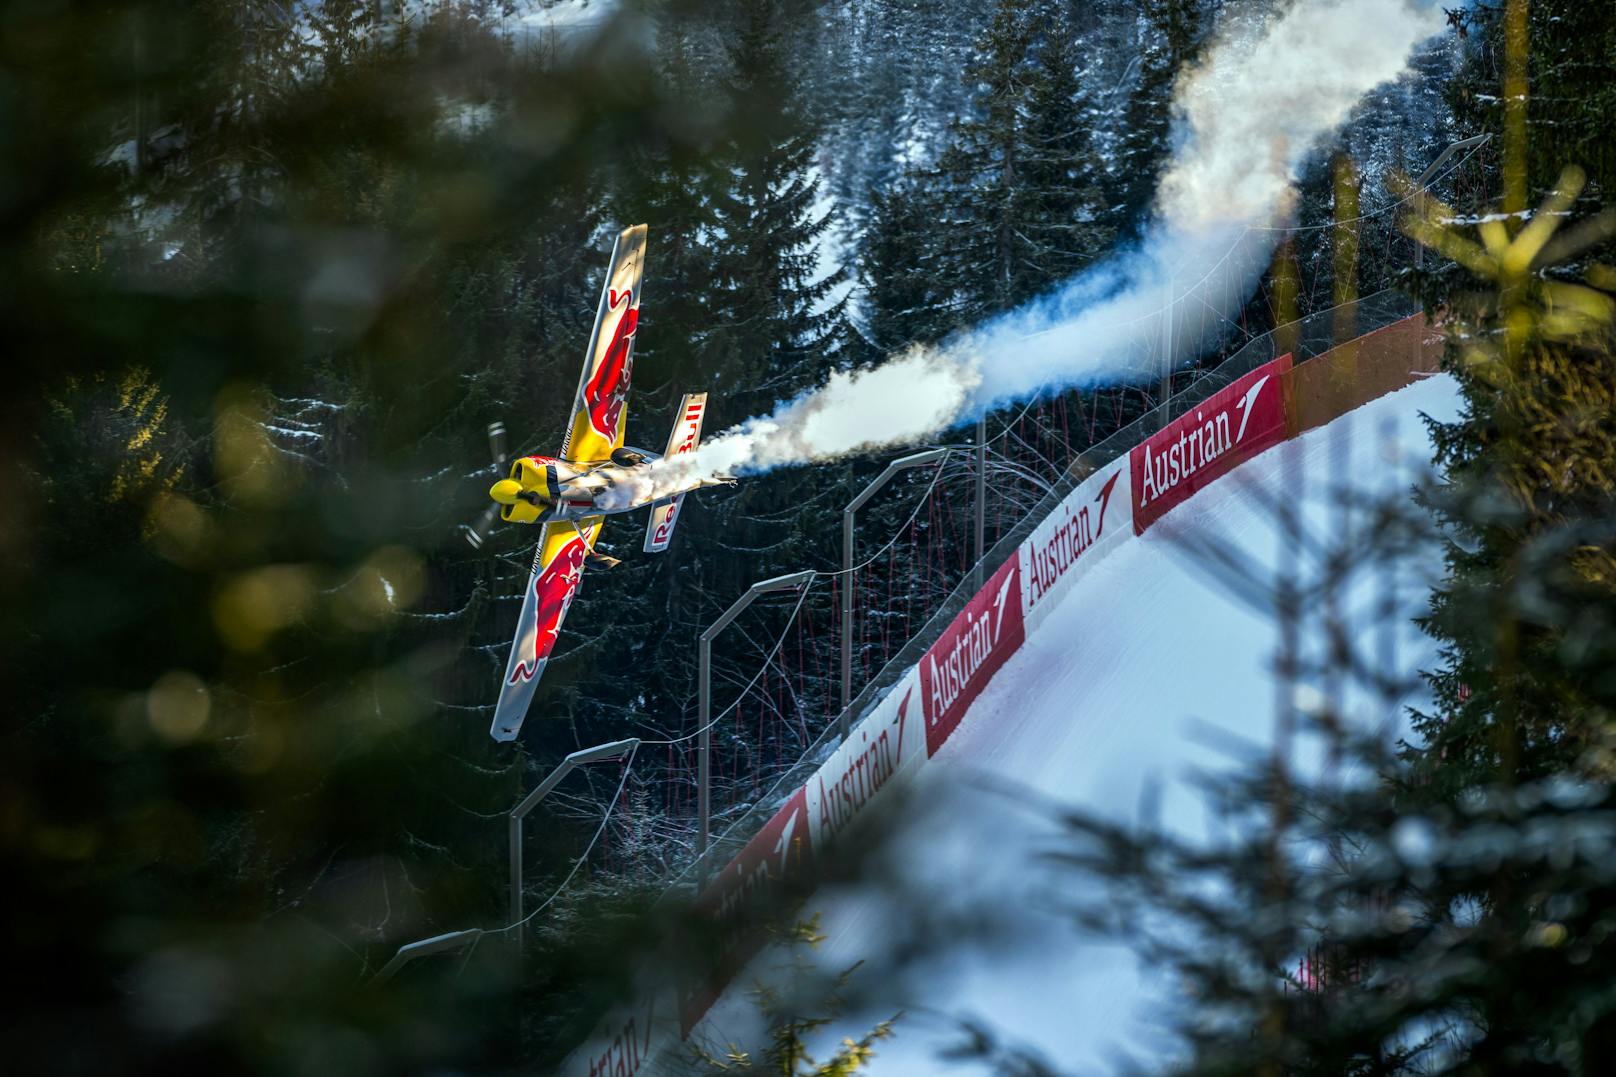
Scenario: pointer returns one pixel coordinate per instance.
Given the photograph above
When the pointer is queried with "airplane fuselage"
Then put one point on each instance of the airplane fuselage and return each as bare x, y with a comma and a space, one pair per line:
545, 488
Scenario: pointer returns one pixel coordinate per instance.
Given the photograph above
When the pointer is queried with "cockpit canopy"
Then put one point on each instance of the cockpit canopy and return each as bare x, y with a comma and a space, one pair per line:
629, 457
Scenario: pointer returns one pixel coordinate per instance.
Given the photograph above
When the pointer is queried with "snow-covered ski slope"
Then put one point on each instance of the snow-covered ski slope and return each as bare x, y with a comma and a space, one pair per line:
1145, 670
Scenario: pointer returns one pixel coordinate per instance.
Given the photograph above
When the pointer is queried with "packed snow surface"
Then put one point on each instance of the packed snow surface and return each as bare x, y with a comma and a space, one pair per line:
1148, 671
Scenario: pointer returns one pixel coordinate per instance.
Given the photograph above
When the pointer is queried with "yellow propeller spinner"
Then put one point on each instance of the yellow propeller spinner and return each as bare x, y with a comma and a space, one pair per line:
506, 491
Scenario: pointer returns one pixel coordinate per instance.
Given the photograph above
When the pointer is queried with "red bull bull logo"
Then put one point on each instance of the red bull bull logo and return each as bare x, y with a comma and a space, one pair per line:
552, 594
607, 390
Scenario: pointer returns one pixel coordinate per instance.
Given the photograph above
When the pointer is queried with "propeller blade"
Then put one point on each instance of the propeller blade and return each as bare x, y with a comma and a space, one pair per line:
496, 441
477, 533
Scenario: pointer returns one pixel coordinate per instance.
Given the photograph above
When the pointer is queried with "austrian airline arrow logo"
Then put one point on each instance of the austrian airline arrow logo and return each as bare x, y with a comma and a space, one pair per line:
1244, 404
1105, 499
782, 848
998, 606
903, 713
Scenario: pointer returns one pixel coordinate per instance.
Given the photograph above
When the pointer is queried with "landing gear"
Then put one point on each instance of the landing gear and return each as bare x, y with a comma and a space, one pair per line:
609, 562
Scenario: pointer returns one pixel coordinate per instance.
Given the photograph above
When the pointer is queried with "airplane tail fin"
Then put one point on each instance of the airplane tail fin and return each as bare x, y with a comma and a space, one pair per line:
686, 434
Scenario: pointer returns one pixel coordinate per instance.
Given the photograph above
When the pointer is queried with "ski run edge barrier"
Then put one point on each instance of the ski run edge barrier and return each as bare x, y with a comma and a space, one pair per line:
1114, 503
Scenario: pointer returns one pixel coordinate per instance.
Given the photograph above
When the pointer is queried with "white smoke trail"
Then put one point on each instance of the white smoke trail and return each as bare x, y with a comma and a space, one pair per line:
1247, 118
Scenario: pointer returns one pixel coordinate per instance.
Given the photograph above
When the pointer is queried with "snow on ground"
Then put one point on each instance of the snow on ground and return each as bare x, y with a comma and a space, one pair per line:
1112, 694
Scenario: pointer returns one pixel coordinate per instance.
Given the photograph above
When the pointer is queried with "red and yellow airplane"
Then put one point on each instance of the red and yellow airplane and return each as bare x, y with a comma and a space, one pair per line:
595, 476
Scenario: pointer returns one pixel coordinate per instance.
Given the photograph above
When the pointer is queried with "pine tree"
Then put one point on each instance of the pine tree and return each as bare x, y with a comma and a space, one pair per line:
982, 169
671, 187
1060, 167
1019, 175
1566, 118
906, 298
1173, 35
774, 327
885, 85
1520, 692
862, 98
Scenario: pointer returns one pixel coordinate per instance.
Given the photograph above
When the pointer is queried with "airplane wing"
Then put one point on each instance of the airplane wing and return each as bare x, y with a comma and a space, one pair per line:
599, 411
558, 566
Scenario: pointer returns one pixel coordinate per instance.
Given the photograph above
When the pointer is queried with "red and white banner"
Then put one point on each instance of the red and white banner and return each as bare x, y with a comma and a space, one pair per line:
882, 751
637, 1035
783, 848
1090, 520
970, 652
1226, 429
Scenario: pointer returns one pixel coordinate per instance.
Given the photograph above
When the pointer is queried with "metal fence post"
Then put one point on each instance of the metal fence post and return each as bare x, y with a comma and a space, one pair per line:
704, 689
613, 750
981, 496
1426, 176
1167, 349
903, 463
704, 753
847, 611
437, 944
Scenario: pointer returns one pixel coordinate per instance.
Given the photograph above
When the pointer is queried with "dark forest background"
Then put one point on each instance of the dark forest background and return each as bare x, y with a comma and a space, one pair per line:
270, 269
